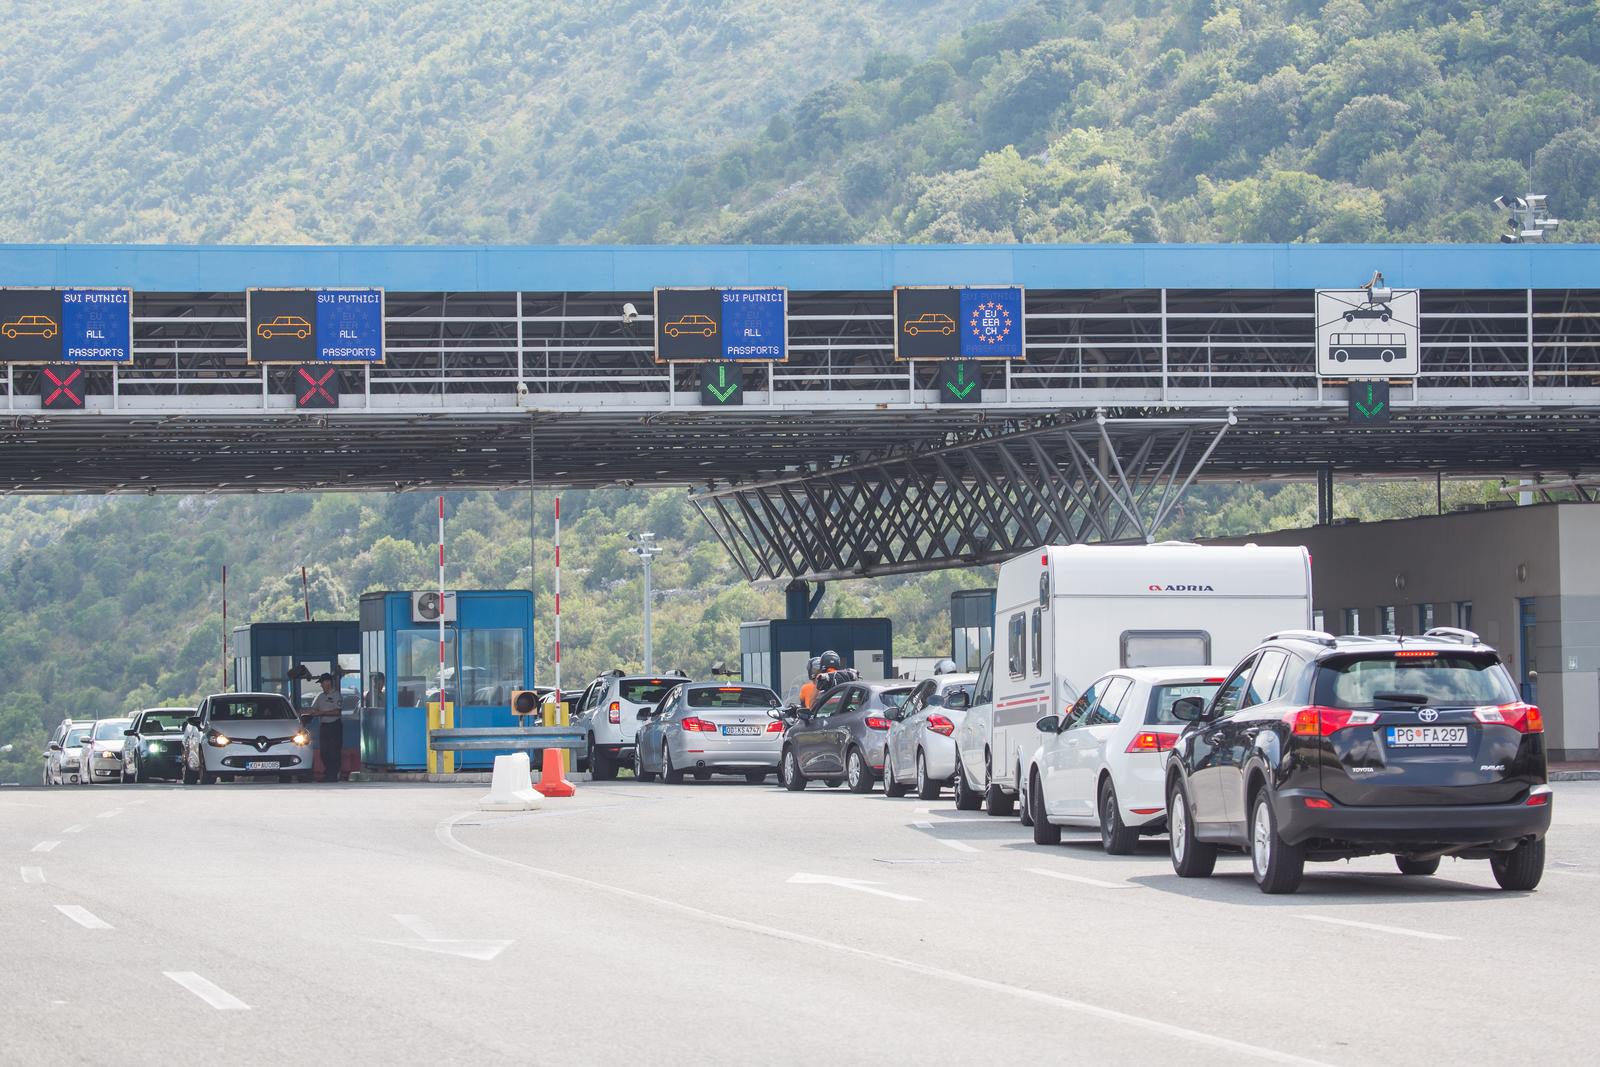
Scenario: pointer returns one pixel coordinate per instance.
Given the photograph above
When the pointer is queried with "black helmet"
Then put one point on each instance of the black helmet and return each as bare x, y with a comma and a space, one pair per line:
831, 661
813, 666
945, 666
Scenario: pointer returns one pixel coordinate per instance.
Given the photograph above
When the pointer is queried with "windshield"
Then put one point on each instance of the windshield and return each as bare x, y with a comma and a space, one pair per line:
893, 698
154, 725
106, 729
939, 699
1163, 697
646, 690
1389, 681
78, 736
251, 709
732, 696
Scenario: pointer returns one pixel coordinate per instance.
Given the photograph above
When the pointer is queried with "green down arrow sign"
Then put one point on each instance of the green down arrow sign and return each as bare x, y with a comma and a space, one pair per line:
959, 381
722, 384
1369, 402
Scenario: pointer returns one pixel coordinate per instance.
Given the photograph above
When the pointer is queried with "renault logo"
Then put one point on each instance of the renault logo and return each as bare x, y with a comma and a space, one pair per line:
1428, 715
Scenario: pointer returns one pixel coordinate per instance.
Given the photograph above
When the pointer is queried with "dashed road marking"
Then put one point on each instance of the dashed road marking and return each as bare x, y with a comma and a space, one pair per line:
922, 826
1081, 880
1402, 931
207, 991
83, 917
33, 875
959, 846
75, 828
109, 814
45, 846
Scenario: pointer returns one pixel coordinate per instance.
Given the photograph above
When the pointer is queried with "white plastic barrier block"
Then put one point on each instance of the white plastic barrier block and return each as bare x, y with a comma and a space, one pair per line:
511, 788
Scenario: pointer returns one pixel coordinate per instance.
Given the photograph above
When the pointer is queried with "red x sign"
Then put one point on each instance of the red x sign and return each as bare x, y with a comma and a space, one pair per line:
316, 387
61, 387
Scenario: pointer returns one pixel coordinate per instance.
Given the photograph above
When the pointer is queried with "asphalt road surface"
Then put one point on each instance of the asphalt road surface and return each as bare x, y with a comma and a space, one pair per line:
728, 923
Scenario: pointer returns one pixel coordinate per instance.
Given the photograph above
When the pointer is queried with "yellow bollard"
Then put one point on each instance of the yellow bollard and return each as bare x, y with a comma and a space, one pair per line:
440, 718
555, 714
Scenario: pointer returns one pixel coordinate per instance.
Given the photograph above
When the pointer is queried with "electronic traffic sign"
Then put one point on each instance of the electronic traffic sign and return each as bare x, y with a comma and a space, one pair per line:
697, 325
1368, 331
315, 385
722, 384
1369, 402
980, 322
315, 325
959, 381
61, 387
66, 325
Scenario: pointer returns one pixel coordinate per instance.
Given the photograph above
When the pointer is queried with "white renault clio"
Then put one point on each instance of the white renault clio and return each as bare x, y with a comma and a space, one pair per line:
1103, 763
245, 735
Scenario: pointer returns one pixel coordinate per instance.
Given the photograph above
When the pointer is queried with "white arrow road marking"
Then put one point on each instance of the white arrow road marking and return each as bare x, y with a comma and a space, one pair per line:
1081, 880
33, 875
1400, 930
850, 883
922, 826
427, 940
207, 991
75, 828
83, 917
45, 846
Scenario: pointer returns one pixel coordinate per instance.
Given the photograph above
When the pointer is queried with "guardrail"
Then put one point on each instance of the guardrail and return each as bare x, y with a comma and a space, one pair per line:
503, 738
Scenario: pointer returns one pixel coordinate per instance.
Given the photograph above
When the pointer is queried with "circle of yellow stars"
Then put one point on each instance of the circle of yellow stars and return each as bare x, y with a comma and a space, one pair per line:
1000, 310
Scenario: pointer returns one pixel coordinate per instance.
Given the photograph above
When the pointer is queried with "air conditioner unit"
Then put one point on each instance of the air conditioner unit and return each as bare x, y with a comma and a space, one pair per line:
426, 607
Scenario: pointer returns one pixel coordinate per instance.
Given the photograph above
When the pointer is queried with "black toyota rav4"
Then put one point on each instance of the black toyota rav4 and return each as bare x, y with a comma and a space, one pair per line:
1323, 748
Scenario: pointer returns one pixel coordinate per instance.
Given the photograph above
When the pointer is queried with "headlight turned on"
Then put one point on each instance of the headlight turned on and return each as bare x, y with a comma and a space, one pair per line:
217, 739
302, 739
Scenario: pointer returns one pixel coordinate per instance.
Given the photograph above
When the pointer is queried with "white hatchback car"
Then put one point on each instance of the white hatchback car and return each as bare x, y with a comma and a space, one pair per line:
1104, 763
922, 746
245, 735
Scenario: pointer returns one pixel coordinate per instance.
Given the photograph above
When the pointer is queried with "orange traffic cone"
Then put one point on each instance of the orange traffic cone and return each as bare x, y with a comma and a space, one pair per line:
552, 778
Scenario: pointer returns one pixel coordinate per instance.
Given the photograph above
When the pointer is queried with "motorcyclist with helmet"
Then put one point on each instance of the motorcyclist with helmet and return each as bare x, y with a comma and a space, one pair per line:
832, 673
808, 692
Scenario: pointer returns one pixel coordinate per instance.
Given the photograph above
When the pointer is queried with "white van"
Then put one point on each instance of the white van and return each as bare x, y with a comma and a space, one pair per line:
1066, 615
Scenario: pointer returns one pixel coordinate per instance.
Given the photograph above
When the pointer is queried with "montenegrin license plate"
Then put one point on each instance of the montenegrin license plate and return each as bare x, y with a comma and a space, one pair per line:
262, 765
1403, 736
741, 729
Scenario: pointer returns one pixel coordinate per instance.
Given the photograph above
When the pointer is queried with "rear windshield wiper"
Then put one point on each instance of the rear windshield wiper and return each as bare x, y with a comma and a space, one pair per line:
1401, 698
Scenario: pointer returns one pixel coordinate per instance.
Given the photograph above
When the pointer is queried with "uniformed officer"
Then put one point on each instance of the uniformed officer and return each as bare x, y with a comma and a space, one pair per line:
328, 710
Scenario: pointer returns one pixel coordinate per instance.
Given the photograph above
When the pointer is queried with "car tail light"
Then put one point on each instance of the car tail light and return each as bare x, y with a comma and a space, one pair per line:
1212, 681
941, 725
1151, 741
874, 722
774, 727
614, 713
1415, 653
1323, 722
1523, 718
699, 726
1318, 802
1538, 800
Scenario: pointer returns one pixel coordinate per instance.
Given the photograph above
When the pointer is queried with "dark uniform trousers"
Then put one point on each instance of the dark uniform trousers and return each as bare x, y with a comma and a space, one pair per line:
330, 743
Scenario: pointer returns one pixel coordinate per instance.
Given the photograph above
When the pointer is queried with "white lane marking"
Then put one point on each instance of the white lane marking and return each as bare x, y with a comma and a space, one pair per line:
428, 940
922, 826
1081, 880
45, 846
959, 846
207, 991
109, 814
1380, 928
445, 832
33, 875
75, 828
856, 884
83, 917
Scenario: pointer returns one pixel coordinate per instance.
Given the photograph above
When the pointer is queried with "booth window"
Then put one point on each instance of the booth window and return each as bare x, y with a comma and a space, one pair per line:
1388, 620
491, 667
1424, 618
1016, 645
275, 676
374, 676
416, 666
1352, 622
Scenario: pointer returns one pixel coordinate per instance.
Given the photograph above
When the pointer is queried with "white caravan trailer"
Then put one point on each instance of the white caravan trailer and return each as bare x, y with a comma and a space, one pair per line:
1066, 615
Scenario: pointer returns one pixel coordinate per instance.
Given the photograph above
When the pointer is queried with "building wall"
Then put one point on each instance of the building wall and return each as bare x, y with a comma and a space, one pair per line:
1493, 559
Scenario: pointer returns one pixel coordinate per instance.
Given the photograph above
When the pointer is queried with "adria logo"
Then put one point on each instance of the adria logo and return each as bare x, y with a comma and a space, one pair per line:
1181, 589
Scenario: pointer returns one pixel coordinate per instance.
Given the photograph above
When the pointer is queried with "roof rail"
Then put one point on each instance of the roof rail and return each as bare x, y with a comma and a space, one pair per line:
1453, 633
1304, 635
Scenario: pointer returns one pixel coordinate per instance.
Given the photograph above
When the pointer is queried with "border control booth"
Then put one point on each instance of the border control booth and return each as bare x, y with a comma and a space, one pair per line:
488, 655
287, 658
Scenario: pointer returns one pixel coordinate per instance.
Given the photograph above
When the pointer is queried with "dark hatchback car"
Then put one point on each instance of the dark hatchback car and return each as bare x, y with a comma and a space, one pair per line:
843, 739
1326, 748
154, 748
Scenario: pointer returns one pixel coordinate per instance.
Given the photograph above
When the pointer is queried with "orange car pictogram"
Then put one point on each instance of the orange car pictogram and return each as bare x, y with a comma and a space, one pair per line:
699, 324
30, 326
284, 326
930, 322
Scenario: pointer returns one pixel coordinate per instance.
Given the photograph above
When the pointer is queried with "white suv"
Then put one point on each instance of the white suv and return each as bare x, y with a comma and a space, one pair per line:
608, 714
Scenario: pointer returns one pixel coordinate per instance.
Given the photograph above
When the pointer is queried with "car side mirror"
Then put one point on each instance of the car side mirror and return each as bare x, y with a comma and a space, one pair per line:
54, 747
1049, 724
1188, 709
193, 720
130, 733
958, 702
645, 714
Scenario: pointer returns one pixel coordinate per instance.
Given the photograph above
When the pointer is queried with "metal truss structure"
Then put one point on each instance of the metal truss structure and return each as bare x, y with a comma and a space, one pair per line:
979, 501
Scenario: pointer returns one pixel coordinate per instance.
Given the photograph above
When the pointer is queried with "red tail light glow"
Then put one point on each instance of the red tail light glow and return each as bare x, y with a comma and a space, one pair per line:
700, 726
775, 727
1415, 653
1323, 722
1319, 803
940, 725
876, 723
1152, 741
1538, 800
614, 713
1523, 718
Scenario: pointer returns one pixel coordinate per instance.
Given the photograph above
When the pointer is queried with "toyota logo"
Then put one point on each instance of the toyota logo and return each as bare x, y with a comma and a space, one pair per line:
1428, 715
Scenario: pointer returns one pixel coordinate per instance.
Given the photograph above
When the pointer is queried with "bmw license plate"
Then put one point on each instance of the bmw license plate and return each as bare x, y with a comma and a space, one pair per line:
262, 765
741, 730
1418, 736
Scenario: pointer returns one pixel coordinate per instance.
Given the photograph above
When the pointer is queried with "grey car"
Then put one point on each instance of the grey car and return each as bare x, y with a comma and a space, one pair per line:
844, 738
704, 729
64, 757
102, 752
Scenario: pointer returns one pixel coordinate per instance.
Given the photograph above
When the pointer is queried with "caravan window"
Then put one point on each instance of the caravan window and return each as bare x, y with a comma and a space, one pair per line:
1016, 645
1165, 648
1038, 641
